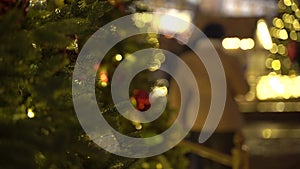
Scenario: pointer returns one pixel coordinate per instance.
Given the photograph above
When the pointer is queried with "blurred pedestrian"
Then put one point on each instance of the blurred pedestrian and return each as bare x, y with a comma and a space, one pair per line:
231, 121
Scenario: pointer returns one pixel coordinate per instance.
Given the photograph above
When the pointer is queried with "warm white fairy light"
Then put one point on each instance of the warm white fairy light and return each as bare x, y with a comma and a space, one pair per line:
118, 57
275, 86
263, 34
30, 114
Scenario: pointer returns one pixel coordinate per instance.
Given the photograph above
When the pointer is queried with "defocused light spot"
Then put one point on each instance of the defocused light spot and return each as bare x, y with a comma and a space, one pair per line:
278, 23
283, 34
293, 35
275, 86
282, 49
263, 34
274, 48
173, 21
159, 166
294, 6
118, 57
246, 44
268, 63
231, 43
276, 65
287, 2
266, 133
30, 113
296, 24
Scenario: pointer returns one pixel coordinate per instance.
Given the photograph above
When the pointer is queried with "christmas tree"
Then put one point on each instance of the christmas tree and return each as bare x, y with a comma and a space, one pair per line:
40, 42
285, 35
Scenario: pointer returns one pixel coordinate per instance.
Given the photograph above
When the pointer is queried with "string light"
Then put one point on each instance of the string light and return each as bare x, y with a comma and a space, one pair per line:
30, 113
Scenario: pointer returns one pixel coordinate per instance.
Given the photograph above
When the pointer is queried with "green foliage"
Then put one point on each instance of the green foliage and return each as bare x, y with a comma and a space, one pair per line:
287, 21
37, 55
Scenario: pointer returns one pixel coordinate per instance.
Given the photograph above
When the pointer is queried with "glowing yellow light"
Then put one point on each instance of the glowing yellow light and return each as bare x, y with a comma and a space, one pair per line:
250, 96
146, 17
281, 49
291, 18
285, 16
296, 24
283, 34
275, 86
145, 165
138, 126
275, 32
276, 65
152, 40
293, 35
33, 45
266, 133
231, 43
103, 84
296, 87
246, 44
297, 13
159, 91
118, 57
30, 113
274, 48
139, 24
264, 34
159, 166
174, 21
103, 76
281, 5
268, 63
287, 2
294, 6
278, 23
160, 56
154, 65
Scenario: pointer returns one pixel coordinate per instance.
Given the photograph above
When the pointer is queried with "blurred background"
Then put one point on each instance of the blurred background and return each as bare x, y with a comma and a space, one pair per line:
40, 42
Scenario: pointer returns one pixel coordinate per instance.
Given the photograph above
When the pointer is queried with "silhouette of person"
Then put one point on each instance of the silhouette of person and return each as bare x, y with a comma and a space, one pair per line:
231, 121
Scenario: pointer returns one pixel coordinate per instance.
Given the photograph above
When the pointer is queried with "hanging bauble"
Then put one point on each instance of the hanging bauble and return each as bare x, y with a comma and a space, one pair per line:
141, 99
